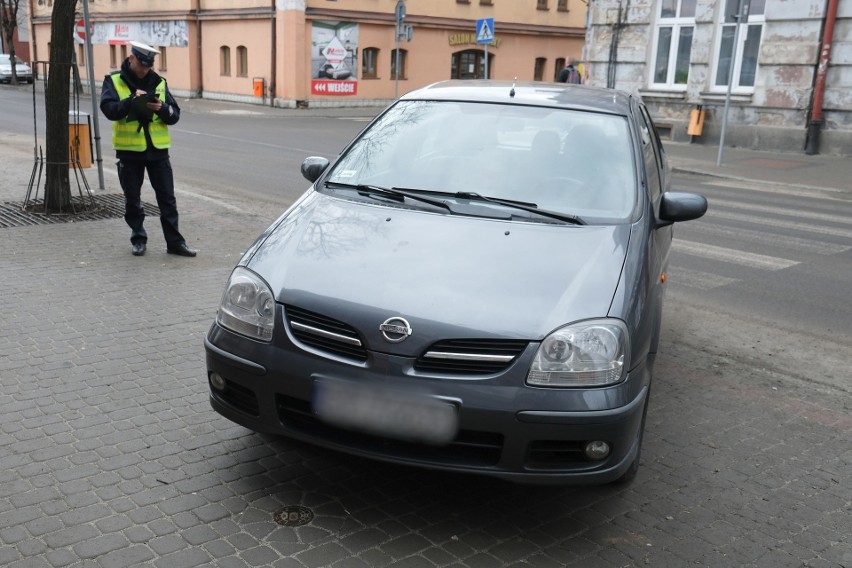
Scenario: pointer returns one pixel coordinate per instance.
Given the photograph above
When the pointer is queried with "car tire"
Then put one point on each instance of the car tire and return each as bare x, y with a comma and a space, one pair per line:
631, 472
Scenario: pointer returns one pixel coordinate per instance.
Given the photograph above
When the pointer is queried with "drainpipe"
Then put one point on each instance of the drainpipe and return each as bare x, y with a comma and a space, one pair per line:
33, 43
816, 122
200, 63
272, 57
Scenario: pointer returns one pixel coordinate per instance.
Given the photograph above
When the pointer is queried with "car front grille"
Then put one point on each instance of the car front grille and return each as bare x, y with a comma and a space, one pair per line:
324, 333
469, 448
469, 356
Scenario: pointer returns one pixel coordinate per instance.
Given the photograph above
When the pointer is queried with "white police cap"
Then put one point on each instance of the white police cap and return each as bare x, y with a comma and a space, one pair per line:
143, 52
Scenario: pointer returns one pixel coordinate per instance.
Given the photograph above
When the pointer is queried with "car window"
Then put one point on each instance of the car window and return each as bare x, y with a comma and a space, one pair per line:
652, 153
563, 160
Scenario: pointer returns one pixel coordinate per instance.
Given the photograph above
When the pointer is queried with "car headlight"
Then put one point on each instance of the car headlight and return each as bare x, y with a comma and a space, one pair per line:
586, 354
247, 307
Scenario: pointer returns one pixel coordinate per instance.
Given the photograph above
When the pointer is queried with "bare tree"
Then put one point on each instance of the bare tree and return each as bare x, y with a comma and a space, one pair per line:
8, 23
57, 190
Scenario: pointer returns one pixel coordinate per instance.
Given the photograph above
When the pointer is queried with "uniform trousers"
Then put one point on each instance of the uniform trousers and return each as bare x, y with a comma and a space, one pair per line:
131, 174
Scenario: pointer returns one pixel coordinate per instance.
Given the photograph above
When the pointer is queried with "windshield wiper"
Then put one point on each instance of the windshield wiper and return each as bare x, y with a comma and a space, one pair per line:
522, 205
391, 192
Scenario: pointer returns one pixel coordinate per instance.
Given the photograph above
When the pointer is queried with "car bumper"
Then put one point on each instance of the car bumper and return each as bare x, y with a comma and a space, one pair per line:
505, 429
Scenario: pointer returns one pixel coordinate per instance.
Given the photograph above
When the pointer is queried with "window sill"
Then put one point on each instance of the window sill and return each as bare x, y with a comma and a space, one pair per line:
719, 96
662, 93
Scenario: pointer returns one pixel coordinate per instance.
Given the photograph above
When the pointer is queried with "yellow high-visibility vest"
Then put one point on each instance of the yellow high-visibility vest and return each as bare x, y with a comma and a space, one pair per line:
128, 135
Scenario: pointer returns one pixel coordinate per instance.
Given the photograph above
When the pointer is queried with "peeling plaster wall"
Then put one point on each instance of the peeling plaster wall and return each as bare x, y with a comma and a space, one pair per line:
776, 114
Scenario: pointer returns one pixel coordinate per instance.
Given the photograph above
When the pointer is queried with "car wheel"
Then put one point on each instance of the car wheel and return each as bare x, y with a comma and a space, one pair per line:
630, 474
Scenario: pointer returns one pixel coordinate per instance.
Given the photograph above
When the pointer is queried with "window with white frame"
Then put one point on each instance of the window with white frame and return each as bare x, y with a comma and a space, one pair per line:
673, 43
739, 59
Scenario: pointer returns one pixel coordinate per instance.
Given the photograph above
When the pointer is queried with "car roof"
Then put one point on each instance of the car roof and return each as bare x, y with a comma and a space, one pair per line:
531, 93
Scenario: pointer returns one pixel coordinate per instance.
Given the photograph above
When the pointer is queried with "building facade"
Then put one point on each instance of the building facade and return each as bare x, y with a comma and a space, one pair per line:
292, 53
679, 55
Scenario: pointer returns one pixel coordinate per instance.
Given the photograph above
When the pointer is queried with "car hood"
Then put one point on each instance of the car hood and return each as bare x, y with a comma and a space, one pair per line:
447, 275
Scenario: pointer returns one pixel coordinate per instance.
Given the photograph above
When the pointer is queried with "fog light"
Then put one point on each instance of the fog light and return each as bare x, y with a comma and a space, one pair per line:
218, 383
597, 450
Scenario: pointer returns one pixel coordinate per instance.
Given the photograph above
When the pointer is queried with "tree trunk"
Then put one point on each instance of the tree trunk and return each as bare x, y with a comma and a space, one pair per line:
57, 190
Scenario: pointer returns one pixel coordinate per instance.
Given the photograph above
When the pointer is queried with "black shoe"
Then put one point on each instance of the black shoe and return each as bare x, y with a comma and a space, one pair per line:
138, 249
181, 250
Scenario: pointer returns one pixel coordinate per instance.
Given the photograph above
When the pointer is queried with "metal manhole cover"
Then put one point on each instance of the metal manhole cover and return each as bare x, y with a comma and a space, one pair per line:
294, 516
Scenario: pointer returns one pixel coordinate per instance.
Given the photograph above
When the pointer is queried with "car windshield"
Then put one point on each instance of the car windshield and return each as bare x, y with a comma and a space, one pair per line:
567, 161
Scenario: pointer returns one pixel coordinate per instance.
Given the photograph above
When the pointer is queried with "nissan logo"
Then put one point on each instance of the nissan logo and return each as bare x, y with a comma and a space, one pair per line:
395, 329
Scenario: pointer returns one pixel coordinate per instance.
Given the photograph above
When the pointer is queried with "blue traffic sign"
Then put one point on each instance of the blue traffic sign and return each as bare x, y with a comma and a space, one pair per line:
485, 30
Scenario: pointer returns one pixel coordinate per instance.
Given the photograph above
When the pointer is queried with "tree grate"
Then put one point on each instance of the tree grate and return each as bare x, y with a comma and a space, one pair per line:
109, 206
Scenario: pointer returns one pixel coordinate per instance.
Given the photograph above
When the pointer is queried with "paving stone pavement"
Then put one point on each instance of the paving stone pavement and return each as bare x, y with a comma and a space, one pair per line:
111, 456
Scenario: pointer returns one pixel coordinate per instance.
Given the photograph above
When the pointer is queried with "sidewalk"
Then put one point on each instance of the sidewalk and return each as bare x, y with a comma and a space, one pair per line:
813, 172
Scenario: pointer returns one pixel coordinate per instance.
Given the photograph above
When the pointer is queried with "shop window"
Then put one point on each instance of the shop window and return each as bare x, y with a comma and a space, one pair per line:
81, 55
113, 57
369, 63
673, 43
558, 67
225, 61
470, 64
402, 64
123, 52
740, 59
538, 74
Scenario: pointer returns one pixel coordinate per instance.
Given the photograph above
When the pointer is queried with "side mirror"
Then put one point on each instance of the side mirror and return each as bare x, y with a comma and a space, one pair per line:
676, 206
313, 167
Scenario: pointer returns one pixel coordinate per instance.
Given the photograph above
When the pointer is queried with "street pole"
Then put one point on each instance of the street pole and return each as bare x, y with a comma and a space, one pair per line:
400, 21
91, 68
739, 18
486, 61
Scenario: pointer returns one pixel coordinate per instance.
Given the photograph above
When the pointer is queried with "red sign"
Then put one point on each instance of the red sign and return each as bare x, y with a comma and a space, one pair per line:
80, 29
332, 87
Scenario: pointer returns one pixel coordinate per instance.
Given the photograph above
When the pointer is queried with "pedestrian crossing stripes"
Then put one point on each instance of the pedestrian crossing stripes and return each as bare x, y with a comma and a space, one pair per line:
698, 279
760, 228
740, 257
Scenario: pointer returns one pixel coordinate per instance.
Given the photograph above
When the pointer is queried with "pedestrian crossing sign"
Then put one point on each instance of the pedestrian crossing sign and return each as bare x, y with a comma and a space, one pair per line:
485, 30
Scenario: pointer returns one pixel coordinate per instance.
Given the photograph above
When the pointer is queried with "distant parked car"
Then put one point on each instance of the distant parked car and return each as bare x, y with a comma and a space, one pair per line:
23, 71
475, 284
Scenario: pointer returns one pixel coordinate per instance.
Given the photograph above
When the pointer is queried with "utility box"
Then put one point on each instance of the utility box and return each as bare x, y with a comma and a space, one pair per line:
258, 83
79, 140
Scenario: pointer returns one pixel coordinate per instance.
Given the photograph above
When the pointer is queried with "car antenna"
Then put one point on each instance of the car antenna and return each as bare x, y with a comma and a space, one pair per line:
512, 92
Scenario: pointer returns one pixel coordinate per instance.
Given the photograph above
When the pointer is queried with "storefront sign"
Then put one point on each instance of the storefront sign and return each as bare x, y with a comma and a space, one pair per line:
469, 38
152, 32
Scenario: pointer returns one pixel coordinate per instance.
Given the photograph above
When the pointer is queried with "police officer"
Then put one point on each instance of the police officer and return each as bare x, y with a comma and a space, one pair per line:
140, 106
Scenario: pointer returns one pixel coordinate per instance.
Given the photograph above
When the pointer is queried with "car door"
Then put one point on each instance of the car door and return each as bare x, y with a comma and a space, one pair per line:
656, 177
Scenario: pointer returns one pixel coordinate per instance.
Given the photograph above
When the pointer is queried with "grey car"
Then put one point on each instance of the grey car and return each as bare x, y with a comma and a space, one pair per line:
23, 72
475, 284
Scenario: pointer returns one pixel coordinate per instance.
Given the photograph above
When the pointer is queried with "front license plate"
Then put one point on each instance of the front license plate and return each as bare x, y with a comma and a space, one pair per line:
386, 412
